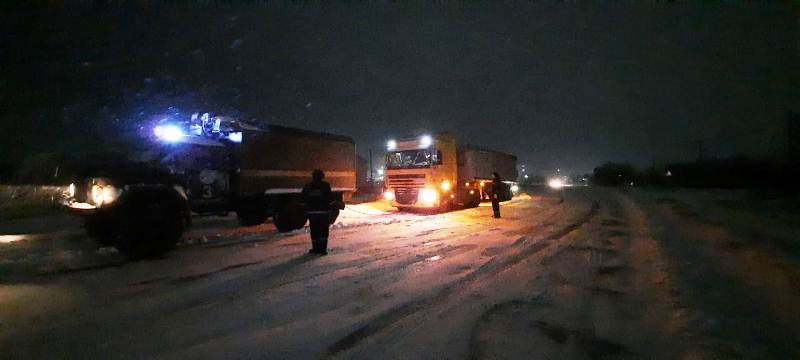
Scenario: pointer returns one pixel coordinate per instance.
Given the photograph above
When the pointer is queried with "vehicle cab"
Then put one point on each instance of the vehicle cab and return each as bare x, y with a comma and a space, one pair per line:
421, 172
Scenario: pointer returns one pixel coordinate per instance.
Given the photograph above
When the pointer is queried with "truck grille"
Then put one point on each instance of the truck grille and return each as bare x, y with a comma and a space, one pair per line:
406, 196
406, 180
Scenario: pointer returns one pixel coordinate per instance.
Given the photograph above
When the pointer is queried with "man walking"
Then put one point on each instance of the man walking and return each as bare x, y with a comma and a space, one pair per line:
497, 186
317, 199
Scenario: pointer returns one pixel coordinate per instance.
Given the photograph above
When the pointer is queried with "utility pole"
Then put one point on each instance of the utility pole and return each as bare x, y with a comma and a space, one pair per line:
793, 137
370, 166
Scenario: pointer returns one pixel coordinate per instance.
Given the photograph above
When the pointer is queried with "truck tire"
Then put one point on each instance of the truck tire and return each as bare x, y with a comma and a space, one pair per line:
150, 225
101, 229
473, 201
446, 206
252, 211
289, 217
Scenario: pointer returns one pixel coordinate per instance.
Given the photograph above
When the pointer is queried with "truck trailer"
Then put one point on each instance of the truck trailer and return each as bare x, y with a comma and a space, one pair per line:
140, 201
434, 171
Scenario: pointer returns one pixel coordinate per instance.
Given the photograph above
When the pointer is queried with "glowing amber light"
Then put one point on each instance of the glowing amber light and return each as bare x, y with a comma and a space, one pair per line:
446, 185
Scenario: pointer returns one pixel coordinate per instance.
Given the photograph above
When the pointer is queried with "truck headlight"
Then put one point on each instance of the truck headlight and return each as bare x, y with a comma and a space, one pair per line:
428, 196
103, 195
97, 195
70, 192
446, 185
514, 188
388, 195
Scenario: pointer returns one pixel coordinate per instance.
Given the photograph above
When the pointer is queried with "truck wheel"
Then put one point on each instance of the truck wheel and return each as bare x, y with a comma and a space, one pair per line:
289, 217
334, 215
101, 229
252, 212
149, 227
445, 207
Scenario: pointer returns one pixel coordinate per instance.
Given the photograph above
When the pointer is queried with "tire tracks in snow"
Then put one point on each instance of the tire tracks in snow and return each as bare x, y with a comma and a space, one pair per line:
490, 268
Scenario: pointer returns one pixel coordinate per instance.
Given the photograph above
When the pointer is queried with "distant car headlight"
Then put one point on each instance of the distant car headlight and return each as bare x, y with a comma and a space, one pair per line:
446, 185
555, 183
388, 195
428, 196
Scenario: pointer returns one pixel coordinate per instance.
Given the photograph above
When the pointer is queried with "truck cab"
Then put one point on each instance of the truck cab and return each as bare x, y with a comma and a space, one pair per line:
422, 172
139, 197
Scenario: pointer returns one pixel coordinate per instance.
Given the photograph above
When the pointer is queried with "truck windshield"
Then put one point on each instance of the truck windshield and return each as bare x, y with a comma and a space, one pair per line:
408, 159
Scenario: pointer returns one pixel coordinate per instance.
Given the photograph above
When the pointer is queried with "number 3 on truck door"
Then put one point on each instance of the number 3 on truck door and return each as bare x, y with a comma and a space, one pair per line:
208, 192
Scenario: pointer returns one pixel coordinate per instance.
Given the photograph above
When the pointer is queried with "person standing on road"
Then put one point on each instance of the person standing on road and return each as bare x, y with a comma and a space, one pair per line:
497, 186
317, 199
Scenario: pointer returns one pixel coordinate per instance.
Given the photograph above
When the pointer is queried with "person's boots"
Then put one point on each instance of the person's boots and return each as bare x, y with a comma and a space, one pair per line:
314, 247
323, 246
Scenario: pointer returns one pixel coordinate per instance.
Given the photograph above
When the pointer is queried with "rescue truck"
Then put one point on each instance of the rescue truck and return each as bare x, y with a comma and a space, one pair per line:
141, 200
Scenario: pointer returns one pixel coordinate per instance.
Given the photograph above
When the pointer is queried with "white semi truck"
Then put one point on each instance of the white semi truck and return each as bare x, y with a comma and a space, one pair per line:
434, 171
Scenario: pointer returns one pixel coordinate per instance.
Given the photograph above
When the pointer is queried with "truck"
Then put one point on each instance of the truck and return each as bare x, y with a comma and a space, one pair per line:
436, 172
141, 200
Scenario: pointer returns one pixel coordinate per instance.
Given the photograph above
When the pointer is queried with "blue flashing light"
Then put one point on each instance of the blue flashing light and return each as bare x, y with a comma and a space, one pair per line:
168, 133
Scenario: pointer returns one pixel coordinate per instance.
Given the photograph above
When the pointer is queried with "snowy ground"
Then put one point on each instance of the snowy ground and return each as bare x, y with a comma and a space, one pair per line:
603, 273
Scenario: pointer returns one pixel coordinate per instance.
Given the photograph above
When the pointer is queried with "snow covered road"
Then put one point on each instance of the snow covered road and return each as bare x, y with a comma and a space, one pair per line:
604, 273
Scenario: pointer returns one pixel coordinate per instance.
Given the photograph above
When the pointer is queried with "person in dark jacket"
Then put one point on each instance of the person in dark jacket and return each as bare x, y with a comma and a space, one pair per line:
497, 186
317, 198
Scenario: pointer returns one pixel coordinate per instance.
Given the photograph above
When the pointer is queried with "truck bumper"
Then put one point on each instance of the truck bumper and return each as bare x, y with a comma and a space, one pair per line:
415, 198
79, 208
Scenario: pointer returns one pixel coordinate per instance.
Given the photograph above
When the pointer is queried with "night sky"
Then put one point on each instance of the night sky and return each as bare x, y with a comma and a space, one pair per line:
560, 85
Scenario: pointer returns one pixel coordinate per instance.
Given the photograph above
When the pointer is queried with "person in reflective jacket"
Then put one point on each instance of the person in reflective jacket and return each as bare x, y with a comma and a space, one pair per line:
497, 186
317, 198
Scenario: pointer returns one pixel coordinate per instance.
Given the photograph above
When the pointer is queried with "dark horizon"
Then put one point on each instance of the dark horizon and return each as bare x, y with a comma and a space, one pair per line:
563, 85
